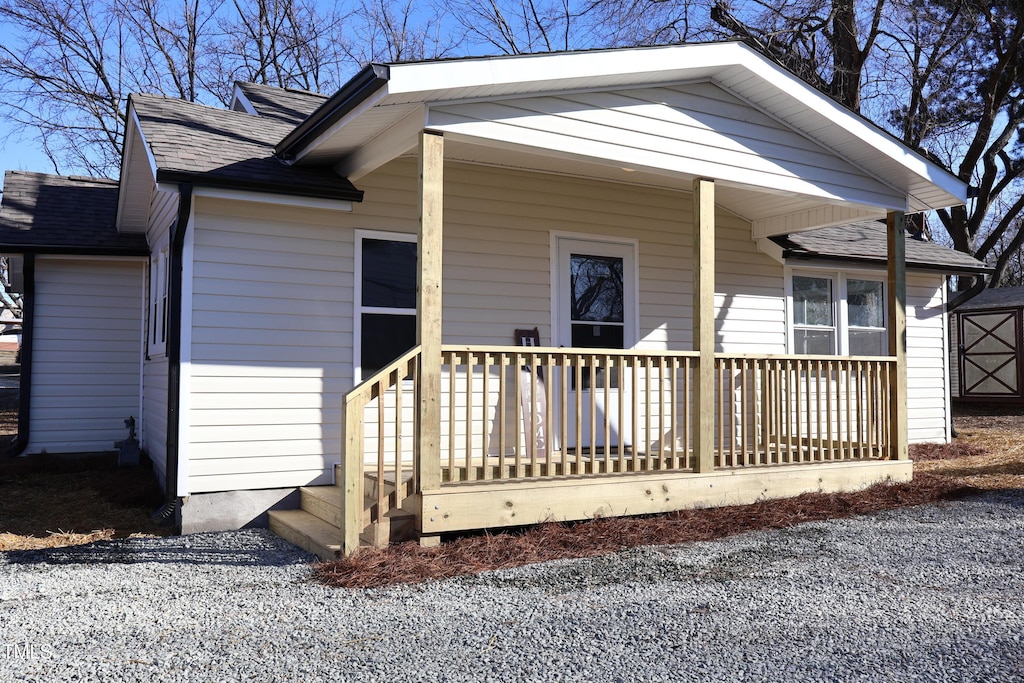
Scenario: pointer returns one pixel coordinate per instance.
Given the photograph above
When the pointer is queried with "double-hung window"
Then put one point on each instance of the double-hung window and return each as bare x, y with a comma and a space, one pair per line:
837, 313
385, 283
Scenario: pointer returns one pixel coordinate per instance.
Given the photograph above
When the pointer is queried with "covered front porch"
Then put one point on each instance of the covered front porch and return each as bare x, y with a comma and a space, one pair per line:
667, 149
457, 437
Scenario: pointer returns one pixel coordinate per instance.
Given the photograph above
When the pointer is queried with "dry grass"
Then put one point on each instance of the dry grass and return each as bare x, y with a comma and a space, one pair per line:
990, 445
49, 502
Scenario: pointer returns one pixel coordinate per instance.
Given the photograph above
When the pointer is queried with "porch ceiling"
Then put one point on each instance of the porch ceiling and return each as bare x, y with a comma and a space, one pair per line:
783, 156
770, 211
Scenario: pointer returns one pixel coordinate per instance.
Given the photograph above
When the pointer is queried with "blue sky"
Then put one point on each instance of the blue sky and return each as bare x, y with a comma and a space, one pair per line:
22, 156
18, 155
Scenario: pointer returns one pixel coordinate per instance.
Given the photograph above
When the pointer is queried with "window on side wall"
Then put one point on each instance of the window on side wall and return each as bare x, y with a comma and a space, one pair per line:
385, 295
159, 280
837, 313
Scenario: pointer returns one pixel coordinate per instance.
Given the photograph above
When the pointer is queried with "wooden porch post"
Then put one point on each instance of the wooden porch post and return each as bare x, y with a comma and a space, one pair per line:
351, 476
704, 322
897, 295
428, 308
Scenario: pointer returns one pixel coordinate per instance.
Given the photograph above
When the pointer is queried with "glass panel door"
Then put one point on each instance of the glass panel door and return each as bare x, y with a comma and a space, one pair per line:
596, 307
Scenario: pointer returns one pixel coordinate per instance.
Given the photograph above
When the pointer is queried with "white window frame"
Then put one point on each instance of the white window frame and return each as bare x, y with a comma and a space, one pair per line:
840, 311
159, 280
358, 308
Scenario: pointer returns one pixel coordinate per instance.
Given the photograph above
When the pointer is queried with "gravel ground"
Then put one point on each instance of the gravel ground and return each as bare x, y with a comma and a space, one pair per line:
930, 593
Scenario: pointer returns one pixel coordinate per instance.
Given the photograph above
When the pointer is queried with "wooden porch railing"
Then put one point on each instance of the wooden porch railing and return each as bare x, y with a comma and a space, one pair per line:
793, 409
512, 413
390, 395
515, 412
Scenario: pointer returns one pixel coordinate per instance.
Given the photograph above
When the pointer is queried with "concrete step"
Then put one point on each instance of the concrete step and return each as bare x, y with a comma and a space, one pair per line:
308, 532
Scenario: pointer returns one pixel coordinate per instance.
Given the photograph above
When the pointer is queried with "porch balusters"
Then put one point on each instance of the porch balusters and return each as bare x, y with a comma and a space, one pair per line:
508, 413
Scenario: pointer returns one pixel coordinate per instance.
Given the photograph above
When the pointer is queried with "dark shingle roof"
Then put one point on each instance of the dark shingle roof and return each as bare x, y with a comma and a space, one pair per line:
865, 242
288, 106
1001, 297
228, 149
42, 213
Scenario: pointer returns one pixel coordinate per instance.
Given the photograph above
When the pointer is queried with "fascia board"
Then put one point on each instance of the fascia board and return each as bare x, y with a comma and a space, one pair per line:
558, 71
294, 201
131, 126
366, 105
859, 127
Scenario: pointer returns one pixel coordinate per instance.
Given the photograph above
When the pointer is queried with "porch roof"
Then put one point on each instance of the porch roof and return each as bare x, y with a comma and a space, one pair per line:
51, 214
865, 242
784, 156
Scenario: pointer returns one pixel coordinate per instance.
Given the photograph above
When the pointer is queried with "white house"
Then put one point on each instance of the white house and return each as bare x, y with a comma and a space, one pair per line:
711, 252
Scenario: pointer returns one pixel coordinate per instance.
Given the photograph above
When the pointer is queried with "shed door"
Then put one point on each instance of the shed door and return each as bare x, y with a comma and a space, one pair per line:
989, 361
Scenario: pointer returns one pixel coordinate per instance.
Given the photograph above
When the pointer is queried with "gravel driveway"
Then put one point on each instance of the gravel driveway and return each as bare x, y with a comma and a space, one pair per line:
929, 593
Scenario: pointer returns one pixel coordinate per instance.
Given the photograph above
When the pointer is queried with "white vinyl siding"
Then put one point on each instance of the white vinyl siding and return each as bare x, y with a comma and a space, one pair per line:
927, 403
273, 295
153, 435
153, 427
86, 354
272, 302
750, 302
271, 345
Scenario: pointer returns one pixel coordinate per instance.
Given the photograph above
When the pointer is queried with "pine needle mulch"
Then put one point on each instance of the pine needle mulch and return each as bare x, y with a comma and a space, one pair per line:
987, 455
409, 563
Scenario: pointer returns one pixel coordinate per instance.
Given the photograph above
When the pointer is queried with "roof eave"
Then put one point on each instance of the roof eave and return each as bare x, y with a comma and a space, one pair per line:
798, 255
206, 180
57, 250
364, 84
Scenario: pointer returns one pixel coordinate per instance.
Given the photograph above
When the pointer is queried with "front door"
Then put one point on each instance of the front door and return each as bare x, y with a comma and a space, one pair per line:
596, 308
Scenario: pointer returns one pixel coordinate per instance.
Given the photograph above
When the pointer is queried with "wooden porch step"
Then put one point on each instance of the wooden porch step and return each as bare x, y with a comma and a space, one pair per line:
370, 484
323, 502
316, 526
307, 531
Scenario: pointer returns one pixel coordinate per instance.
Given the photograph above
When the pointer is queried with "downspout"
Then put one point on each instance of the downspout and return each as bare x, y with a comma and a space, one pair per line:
172, 502
28, 307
